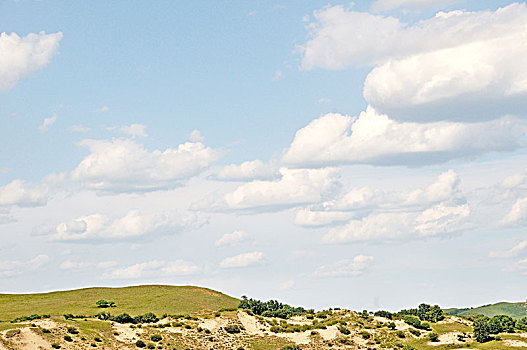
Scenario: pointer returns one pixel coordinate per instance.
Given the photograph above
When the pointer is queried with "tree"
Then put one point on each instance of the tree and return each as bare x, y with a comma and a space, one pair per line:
481, 330
521, 324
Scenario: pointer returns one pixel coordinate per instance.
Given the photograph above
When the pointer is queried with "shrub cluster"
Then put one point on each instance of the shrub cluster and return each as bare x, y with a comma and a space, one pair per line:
30, 318
104, 304
425, 312
485, 326
125, 318
416, 322
271, 308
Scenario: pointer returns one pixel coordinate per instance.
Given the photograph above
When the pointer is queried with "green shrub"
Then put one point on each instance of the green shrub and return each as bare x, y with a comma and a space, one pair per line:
365, 335
55, 346
140, 344
391, 325
344, 330
433, 336
156, 337
415, 332
73, 330
150, 346
231, 329
45, 330
97, 339
400, 334
68, 338
291, 347
104, 304
12, 332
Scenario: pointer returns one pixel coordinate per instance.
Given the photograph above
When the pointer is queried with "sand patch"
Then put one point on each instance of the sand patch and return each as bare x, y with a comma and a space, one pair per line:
27, 339
298, 320
329, 333
447, 338
250, 323
126, 334
213, 324
297, 338
515, 343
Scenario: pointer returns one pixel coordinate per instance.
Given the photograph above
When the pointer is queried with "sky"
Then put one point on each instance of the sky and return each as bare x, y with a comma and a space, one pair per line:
367, 155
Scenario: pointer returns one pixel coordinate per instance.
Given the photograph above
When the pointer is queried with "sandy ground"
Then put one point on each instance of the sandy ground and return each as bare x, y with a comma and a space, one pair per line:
447, 338
515, 343
126, 334
27, 340
298, 320
214, 324
250, 323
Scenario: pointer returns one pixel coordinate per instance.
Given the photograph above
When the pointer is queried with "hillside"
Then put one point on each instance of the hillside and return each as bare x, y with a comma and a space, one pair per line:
132, 300
514, 310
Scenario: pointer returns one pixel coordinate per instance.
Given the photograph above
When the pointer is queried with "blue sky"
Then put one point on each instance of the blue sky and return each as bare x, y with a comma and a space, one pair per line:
283, 150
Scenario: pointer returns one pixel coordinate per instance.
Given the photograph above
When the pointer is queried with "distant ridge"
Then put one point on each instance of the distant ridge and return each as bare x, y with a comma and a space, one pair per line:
514, 310
134, 300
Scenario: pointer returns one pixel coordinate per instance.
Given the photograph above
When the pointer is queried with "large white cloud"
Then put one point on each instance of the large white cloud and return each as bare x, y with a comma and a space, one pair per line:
393, 226
21, 56
345, 268
295, 187
458, 65
21, 194
121, 165
518, 213
98, 227
373, 138
233, 238
153, 268
514, 251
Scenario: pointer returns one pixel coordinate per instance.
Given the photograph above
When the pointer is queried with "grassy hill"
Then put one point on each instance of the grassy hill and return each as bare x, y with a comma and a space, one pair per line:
132, 300
514, 310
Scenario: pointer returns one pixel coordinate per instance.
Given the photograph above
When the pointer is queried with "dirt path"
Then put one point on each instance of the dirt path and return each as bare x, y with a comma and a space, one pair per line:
515, 343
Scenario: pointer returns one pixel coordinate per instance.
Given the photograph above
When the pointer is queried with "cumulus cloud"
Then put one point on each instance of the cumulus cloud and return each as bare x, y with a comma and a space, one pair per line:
457, 65
295, 187
22, 56
514, 251
243, 260
311, 218
84, 265
47, 123
195, 136
154, 268
134, 130
247, 171
518, 213
98, 227
345, 268
415, 5
373, 138
232, 238
390, 226
121, 165
16, 267
21, 194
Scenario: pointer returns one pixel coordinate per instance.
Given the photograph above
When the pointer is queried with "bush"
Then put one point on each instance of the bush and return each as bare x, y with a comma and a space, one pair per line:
45, 330
383, 313
156, 337
481, 330
291, 347
365, 335
433, 336
104, 316
148, 317
12, 332
55, 346
271, 308
400, 334
104, 304
97, 339
140, 344
73, 330
123, 318
231, 329
150, 346
68, 338
415, 332
344, 330
391, 325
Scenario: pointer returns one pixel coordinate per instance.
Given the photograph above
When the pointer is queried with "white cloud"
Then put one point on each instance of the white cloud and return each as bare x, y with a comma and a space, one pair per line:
517, 214
415, 5
389, 226
134, 130
17, 267
102, 109
373, 138
243, 260
519, 266
277, 75
458, 65
121, 165
309, 218
21, 194
79, 128
232, 238
249, 170
287, 285
295, 187
514, 251
47, 123
340, 37
98, 227
345, 268
21, 56
83, 265
154, 268
195, 136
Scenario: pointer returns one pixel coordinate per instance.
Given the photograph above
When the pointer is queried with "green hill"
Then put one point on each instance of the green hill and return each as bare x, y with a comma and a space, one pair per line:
132, 300
514, 310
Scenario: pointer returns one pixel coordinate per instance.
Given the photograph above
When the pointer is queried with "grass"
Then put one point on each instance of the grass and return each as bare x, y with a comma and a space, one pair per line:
132, 300
514, 310
442, 328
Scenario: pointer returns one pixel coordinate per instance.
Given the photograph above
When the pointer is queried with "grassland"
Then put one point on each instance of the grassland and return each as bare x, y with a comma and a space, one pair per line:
132, 300
514, 310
